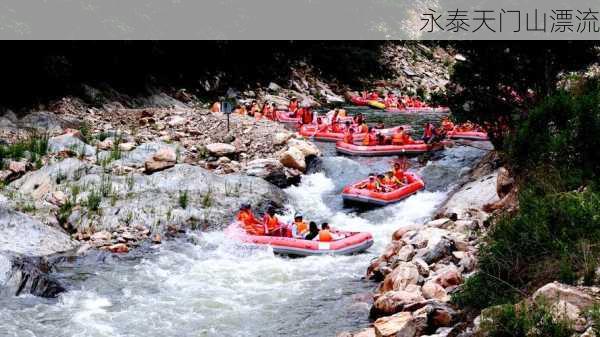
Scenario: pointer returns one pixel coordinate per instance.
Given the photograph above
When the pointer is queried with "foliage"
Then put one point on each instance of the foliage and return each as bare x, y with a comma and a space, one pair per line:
501, 80
183, 199
36, 145
524, 320
93, 200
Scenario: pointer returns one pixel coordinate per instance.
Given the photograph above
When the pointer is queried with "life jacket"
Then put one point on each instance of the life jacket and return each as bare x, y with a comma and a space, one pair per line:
307, 116
249, 223
363, 128
301, 227
374, 96
271, 223
447, 125
325, 235
399, 174
398, 138
387, 181
371, 186
293, 106
348, 137
335, 127
407, 140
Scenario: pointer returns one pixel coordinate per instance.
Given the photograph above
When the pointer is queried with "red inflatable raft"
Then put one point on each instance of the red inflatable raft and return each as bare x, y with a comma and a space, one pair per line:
358, 100
470, 135
360, 195
350, 243
328, 136
384, 150
418, 110
284, 117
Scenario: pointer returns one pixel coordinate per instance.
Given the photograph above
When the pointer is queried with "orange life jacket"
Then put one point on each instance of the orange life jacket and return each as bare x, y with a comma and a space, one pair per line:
428, 132
325, 235
348, 137
407, 140
271, 222
307, 116
250, 224
398, 138
363, 128
370, 139
293, 106
399, 174
301, 227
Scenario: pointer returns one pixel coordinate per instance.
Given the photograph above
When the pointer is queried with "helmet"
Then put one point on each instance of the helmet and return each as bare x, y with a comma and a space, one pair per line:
297, 215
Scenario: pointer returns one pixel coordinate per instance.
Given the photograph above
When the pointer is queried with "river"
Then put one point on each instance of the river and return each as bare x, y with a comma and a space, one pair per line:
206, 285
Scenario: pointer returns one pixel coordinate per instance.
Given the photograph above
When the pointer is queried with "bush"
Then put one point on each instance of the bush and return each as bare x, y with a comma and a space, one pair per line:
524, 320
183, 199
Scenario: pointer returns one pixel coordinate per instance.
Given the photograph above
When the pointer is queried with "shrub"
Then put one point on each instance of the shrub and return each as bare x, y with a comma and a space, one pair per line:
93, 201
524, 320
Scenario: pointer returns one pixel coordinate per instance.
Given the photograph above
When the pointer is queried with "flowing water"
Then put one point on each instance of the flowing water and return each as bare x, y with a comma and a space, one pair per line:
206, 285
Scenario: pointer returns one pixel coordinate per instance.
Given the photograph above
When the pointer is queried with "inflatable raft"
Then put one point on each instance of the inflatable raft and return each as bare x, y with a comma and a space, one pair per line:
358, 100
350, 243
418, 110
353, 194
470, 135
384, 150
310, 131
284, 117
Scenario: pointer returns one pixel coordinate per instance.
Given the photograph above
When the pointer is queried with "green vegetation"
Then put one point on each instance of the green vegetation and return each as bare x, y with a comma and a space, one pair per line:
524, 320
93, 200
183, 199
593, 315
65, 210
554, 152
207, 199
35, 146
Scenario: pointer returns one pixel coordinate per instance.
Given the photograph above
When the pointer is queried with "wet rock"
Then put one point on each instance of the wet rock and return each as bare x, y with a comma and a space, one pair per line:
399, 325
29, 275
293, 158
221, 149
270, 170
118, 248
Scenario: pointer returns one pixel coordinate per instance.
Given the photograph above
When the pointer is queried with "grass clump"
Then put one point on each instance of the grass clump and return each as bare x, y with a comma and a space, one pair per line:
183, 199
36, 145
524, 320
93, 200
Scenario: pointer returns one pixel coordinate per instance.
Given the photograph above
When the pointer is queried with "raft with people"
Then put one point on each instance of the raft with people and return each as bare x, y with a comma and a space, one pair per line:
325, 133
374, 192
417, 147
346, 242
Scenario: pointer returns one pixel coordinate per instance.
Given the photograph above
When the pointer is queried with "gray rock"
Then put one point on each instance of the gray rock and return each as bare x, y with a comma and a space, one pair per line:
153, 200
68, 142
22, 234
138, 156
30, 275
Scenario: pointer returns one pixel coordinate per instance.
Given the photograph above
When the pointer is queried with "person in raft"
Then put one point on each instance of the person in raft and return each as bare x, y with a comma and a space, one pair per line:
398, 171
293, 107
299, 227
349, 134
371, 184
391, 181
306, 115
370, 138
313, 231
358, 119
248, 221
326, 235
429, 133
447, 124
272, 226
400, 137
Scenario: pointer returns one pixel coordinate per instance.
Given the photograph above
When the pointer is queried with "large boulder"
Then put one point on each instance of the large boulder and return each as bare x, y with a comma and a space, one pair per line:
399, 325
293, 158
402, 276
392, 302
22, 234
270, 170
575, 296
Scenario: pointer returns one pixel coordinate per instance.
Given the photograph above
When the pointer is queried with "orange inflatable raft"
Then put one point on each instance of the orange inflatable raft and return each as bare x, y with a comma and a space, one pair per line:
350, 242
385, 150
353, 194
311, 131
470, 135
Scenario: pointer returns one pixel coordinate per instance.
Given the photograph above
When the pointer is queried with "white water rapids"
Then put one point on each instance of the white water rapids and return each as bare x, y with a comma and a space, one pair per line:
208, 286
